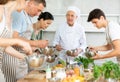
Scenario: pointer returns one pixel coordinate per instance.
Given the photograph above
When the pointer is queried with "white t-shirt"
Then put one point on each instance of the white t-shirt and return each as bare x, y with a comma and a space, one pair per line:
113, 33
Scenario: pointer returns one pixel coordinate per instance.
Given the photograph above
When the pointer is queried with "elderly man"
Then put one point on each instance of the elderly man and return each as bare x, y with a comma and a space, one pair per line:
70, 35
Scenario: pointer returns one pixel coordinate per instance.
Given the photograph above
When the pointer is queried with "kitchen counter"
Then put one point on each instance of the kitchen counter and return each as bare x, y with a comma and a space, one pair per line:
34, 76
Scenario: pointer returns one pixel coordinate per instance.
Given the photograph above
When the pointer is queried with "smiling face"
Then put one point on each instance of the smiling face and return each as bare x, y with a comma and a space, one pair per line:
34, 9
71, 18
45, 23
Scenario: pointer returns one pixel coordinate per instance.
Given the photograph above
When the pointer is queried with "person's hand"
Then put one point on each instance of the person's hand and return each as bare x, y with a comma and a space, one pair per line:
92, 48
42, 43
25, 46
77, 52
58, 47
97, 56
34, 48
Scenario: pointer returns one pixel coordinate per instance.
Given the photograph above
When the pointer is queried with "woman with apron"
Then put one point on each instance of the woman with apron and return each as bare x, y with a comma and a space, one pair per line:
6, 32
45, 19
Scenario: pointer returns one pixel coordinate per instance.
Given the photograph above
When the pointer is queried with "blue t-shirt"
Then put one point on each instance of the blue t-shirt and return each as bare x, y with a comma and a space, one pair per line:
20, 22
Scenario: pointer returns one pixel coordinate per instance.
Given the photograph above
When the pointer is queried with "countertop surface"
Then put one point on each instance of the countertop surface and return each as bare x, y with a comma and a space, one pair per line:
34, 76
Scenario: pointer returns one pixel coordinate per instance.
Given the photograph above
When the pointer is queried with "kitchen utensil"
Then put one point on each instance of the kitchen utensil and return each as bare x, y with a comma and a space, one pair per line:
35, 61
51, 59
89, 53
49, 50
70, 52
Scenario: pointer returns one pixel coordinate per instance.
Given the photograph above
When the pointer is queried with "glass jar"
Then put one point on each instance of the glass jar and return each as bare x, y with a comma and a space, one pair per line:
76, 70
60, 73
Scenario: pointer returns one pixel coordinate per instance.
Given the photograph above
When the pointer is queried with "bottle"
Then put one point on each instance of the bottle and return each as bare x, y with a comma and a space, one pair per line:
81, 68
77, 70
48, 72
61, 74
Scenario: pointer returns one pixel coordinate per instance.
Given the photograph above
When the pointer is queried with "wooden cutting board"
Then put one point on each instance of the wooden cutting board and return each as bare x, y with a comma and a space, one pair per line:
23, 80
34, 76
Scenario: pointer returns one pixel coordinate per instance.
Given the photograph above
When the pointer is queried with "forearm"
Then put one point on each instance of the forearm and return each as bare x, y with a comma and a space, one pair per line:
31, 42
11, 51
110, 54
38, 43
4, 42
103, 48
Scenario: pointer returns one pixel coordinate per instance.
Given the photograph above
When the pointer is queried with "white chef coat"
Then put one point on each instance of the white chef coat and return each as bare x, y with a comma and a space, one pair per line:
70, 37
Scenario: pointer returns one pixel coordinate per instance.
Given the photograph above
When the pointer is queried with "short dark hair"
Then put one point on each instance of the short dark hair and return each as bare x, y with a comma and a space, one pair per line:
46, 16
40, 1
96, 13
3, 2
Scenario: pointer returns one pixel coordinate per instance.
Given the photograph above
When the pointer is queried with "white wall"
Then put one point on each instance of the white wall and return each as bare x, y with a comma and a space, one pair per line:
58, 9
94, 36
59, 6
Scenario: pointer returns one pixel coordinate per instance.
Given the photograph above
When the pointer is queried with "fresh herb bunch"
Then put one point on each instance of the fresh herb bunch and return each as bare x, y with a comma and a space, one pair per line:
97, 71
85, 61
111, 70
108, 70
